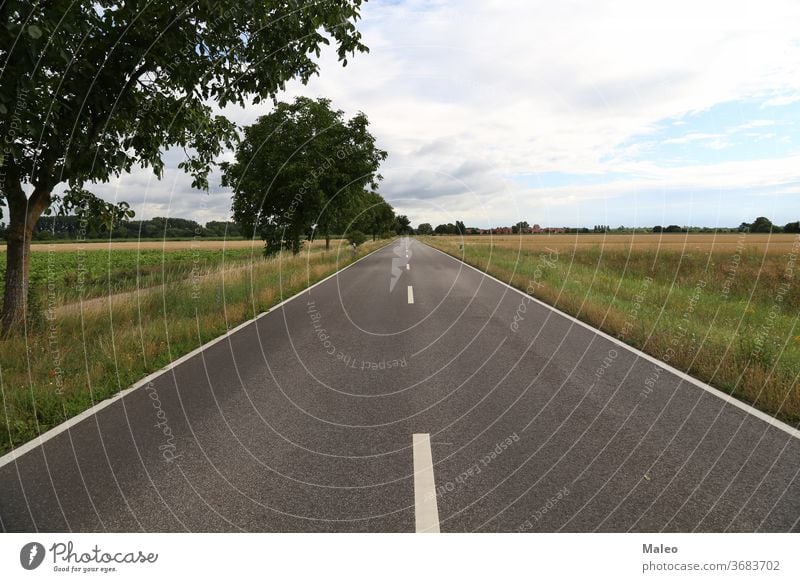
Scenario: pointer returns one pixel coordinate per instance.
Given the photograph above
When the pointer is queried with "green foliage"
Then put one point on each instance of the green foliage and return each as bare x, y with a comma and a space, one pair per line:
101, 86
520, 227
761, 224
75, 228
376, 217
448, 228
403, 225
356, 237
91, 89
274, 241
792, 227
303, 165
425, 228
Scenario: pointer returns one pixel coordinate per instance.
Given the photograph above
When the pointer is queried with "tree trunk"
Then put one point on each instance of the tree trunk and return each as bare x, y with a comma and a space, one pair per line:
23, 217
327, 241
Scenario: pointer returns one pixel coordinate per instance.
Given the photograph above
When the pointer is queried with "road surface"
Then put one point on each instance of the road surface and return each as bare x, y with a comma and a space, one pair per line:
411, 393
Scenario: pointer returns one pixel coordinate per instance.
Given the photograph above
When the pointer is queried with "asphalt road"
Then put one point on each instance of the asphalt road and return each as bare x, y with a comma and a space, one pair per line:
401, 395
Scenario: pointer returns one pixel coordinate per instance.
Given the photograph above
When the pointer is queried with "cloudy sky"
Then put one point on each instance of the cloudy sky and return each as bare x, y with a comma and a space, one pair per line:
561, 113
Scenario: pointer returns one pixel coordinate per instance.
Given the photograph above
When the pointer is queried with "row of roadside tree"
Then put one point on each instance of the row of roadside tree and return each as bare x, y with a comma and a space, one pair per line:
90, 91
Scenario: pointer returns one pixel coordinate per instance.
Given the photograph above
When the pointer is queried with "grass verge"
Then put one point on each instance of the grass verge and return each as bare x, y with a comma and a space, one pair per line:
728, 318
69, 361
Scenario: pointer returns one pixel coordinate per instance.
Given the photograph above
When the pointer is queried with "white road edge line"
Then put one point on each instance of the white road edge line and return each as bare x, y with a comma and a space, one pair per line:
790, 430
66, 425
426, 510
410, 294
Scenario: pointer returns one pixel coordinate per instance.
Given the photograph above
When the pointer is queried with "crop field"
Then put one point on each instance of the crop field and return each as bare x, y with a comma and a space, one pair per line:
66, 273
715, 243
68, 359
723, 308
147, 244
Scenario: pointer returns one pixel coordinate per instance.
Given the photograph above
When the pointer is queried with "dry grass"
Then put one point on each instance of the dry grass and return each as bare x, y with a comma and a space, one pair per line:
157, 245
716, 243
723, 308
69, 362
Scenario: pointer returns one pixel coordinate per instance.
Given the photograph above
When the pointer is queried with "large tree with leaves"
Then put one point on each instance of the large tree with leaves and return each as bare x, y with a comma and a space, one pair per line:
90, 89
376, 216
303, 165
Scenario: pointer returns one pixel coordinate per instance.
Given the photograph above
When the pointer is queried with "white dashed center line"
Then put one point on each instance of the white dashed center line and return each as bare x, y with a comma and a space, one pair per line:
426, 511
410, 294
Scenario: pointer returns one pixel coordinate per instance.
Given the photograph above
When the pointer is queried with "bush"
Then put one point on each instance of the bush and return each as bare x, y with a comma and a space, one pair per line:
356, 237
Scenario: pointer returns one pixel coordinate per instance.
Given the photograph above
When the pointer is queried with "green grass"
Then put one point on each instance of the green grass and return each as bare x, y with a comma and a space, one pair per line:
106, 240
737, 332
64, 366
96, 273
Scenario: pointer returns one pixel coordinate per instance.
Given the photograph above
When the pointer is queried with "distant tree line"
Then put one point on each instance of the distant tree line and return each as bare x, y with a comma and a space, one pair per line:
759, 225
764, 224
73, 228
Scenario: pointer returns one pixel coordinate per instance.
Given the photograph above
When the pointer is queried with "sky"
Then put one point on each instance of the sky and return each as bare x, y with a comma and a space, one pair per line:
616, 112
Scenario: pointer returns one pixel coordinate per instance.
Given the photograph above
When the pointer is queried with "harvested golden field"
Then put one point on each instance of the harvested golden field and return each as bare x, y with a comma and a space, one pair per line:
724, 308
717, 243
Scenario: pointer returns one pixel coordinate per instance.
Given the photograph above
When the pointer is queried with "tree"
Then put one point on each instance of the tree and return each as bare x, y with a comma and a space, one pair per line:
223, 229
792, 227
356, 237
460, 228
403, 225
376, 216
303, 164
448, 228
425, 228
90, 89
762, 224
658, 229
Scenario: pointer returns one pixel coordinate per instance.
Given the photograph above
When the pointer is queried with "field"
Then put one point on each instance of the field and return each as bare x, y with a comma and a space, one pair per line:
65, 273
166, 303
60, 246
722, 308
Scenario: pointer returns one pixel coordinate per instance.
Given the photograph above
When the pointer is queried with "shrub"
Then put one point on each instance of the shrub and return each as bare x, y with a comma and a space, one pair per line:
356, 237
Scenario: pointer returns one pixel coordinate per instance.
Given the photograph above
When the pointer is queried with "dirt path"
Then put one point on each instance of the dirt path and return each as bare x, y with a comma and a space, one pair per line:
99, 303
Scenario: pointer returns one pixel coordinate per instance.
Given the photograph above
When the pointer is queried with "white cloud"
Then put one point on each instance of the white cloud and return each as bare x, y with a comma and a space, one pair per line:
756, 123
693, 137
781, 100
465, 95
